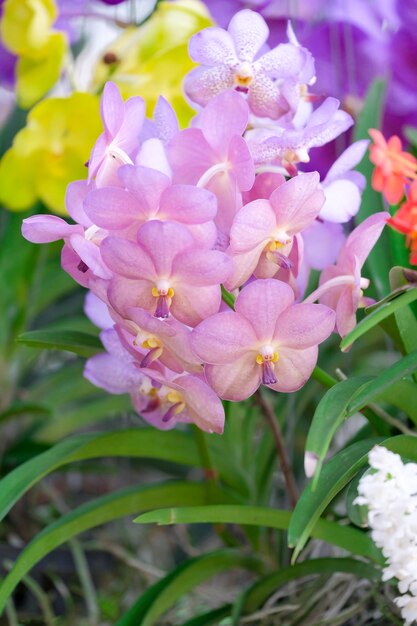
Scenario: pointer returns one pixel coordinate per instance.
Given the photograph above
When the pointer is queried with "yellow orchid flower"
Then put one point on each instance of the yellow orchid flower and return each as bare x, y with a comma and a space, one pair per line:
26, 30
50, 152
152, 59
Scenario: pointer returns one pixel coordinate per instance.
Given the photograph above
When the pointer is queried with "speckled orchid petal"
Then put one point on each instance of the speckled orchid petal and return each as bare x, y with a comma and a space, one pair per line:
249, 32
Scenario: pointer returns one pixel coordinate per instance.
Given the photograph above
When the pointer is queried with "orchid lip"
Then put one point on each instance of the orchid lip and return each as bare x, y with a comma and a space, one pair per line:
164, 293
151, 356
267, 358
82, 267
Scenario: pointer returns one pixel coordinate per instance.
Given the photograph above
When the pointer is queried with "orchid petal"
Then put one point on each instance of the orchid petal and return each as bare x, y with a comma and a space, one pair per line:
223, 338
112, 108
188, 204
262, 302
304, 325
297, 202
264, 98
343, 200
113, 208
212, 46
75, 195
249, 32
127, 258
253, 224
203, 405
284, 61
163, 241
225, 116
48, 228
294, 368
235, 381
191, 305
361, 241
146, 184
202, 268
202, 84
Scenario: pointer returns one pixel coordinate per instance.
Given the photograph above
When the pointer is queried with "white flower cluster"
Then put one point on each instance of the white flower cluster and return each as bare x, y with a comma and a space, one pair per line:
390, 493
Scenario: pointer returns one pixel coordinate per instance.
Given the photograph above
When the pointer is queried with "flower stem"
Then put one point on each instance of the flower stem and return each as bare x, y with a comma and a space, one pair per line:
269, 414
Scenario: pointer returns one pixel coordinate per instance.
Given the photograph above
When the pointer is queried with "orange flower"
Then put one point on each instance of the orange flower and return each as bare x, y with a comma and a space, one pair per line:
405, 221
393, 168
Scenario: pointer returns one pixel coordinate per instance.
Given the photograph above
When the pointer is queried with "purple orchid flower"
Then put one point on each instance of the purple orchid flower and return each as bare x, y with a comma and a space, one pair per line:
233, 59
341, 286
291, 146
215, 156
263, 232
148, 194
267, 340
118, 143
165, 273
184, 398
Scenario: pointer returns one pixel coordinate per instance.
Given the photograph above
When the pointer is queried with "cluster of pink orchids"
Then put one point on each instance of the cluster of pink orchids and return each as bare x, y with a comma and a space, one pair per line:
168, 218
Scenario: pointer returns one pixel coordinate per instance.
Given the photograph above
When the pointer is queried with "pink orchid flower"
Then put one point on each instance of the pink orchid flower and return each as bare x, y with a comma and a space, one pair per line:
268, 340
147, 194
233, 59
185, 398
264, 232
341, 285
165, 273
117, 144
215, 156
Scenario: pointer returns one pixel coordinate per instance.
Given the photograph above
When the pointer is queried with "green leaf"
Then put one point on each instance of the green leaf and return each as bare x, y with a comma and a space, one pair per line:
405, 366
254, 597
405, 317
345, 537
403, 395
181, 581
176, 447
104, 509
329, 414
211, 617
378, 262
411, 134
358, 513
80, 343
68, 420
377, 316
335, 475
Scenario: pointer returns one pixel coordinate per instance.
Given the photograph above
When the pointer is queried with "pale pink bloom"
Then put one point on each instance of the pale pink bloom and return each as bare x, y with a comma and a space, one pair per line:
263, 237
341, 285
268, 340
165, 273
119, 142
148, 194
215, 155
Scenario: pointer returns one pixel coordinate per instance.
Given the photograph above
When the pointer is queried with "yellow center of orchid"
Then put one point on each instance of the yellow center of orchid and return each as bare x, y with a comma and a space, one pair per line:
244, 75
151, 343
169, 293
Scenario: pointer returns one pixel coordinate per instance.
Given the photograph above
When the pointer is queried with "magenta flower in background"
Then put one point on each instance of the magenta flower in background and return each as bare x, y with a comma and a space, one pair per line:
165, 273
341, 285
234, 59
268, 340
117, 145
263, 231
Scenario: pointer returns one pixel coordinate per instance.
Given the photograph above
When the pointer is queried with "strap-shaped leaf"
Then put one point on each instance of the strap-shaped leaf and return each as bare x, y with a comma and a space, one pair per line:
173, 446
80, 343
345, 537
